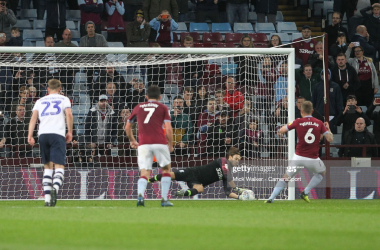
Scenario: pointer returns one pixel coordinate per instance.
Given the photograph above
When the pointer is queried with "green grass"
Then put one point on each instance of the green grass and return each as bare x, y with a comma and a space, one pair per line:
322, 224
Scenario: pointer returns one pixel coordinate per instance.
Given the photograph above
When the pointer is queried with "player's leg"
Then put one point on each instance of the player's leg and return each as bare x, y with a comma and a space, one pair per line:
162, 154
145, 161
194, 189
47, 180
319, 169
158, 177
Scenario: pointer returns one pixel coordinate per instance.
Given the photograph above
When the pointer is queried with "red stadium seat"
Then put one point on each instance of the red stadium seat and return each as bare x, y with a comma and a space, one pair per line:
260, 45
194, 35
176, 44
258, 37
233, 37
175, 37
173, 68
214, 37
203, 45
225, 45
174, 78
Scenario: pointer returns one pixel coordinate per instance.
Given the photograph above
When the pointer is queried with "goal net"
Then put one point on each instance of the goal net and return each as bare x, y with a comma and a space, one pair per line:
217, 98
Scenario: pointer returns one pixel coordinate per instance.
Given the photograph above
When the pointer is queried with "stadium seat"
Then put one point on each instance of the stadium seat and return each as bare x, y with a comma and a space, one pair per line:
243, 28
203, 45
39, 25
196, 37
199, 27
214, 37
337, 139
233, 37
32, 35
296, 35
328, 7
286, 27
23, 24
221, 28
285, 38
182, 27
279, 17
176, 37
229, 69
29, 44
258, 37
40, 44
71, 25
260, 45
265, 28
171, 89
252, 17
30, 14
104, 33
176, 44
225, 45
115, 44
190, 17
73, 15
165, 100
75, 35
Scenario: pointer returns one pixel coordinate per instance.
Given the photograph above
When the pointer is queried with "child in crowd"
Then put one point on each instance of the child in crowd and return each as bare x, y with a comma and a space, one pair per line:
164, 25
16, 39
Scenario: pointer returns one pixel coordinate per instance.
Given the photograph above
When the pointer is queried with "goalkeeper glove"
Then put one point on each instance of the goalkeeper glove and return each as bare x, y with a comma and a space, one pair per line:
237, 190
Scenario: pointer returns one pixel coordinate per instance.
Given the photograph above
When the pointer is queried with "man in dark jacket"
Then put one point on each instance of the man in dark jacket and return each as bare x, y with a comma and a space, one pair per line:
153, 8
306, 79
375, 116
362, 37
138, 31
335, 101
207, 9
334, 29
131, 6
372, 22
345, 76
183, 8
7, 19
55, 18
268, 8
358, 135
348, 117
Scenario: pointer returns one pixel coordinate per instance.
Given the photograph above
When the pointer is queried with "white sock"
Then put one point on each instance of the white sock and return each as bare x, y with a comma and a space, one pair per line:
317, 178
141, 186
165, 185
58, 178
47, 182
277, 189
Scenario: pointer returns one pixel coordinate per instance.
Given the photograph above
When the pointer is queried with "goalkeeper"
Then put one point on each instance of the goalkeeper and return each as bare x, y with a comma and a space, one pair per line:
199, 177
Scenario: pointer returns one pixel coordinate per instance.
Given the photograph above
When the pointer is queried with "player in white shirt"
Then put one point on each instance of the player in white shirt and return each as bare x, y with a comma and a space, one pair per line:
51, 110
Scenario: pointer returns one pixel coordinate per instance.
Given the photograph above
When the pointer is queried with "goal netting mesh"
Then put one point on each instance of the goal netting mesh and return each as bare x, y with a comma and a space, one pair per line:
215, 100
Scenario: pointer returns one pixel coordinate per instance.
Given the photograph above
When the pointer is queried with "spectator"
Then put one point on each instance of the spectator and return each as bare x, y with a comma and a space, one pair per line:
277, 145
109, 74
340, 46
244, 116
335, 101
33, 95
246, 42
138, 31
131, 6
375, 116
189, 104
232, 96
220, 104
306, 79
90, 10
138, 93
206, 119
92, 39
264, 91
275, 41
281, 85
305, 48
164, 25
266, 8
22, 100
16, 39
221, 135
250, 138
183, 8
7, 19
335, 28
201, 99
358, 135
17, 132
345, 76
66, 40
122, 138
369, 82
237, 11
316, 59
182, 127
115, 25
297, 110
13, 5
192, 71
101, 126
348, 116
113, 97
55, 18
207, 9
361, 36
244, 70
3, 39
372, 22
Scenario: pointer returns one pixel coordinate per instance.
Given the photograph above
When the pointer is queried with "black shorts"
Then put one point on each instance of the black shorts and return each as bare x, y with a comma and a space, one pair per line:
187, 176
53, 148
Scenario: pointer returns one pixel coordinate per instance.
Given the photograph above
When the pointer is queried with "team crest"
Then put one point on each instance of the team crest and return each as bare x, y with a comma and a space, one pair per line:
331, 90
290, 123
311, 45
366, 64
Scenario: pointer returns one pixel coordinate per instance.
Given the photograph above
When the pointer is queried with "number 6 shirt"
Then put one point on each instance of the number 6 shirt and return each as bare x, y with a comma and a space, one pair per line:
309, 131
150, 117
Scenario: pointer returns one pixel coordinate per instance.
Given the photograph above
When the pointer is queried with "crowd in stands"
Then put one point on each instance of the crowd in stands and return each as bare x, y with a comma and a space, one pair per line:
210, 111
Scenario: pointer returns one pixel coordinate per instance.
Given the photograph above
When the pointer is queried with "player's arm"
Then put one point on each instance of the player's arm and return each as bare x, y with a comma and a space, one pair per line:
69, 122
128, 131
169, 135
328, 135
282, 130
32, 125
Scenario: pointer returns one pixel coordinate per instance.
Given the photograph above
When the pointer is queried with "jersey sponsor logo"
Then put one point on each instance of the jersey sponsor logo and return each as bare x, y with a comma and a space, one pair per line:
220, 173
306, 51
331, 90
309, 123
148, 105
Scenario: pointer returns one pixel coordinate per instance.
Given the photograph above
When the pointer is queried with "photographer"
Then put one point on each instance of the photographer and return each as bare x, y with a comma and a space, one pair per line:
7, 19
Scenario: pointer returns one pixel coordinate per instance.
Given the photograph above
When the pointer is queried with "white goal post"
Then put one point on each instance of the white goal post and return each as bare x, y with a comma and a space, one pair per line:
101, 175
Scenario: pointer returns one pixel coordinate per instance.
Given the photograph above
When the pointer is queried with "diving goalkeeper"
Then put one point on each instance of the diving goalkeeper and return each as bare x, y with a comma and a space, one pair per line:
199, 177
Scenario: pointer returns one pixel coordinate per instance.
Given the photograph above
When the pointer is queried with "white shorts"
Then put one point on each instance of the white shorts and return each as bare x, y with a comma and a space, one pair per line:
299, 162
145, 155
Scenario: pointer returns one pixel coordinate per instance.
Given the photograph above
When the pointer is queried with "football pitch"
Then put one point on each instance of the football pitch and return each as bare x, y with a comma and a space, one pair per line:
321, 224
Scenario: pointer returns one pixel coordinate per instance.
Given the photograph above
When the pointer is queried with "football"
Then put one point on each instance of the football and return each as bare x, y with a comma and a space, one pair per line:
248, 195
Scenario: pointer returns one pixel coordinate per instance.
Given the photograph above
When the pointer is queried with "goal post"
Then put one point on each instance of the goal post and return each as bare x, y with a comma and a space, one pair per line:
107, 168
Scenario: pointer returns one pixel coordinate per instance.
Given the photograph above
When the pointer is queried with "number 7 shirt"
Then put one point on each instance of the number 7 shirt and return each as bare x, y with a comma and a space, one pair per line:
309, 131
150, 116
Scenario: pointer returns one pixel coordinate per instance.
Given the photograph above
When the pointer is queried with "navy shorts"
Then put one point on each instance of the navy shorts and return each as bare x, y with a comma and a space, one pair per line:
53, 148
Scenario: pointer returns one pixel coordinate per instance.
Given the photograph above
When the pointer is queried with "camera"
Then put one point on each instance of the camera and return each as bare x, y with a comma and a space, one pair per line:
164, 16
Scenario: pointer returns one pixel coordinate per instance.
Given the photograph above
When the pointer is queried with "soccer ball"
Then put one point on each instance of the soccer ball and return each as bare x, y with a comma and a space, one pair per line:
248, 195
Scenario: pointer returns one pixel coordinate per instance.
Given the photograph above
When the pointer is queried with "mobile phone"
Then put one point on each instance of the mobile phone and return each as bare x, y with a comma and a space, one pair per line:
377, 100
1, 112
356, 44
164, 16
351, 109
